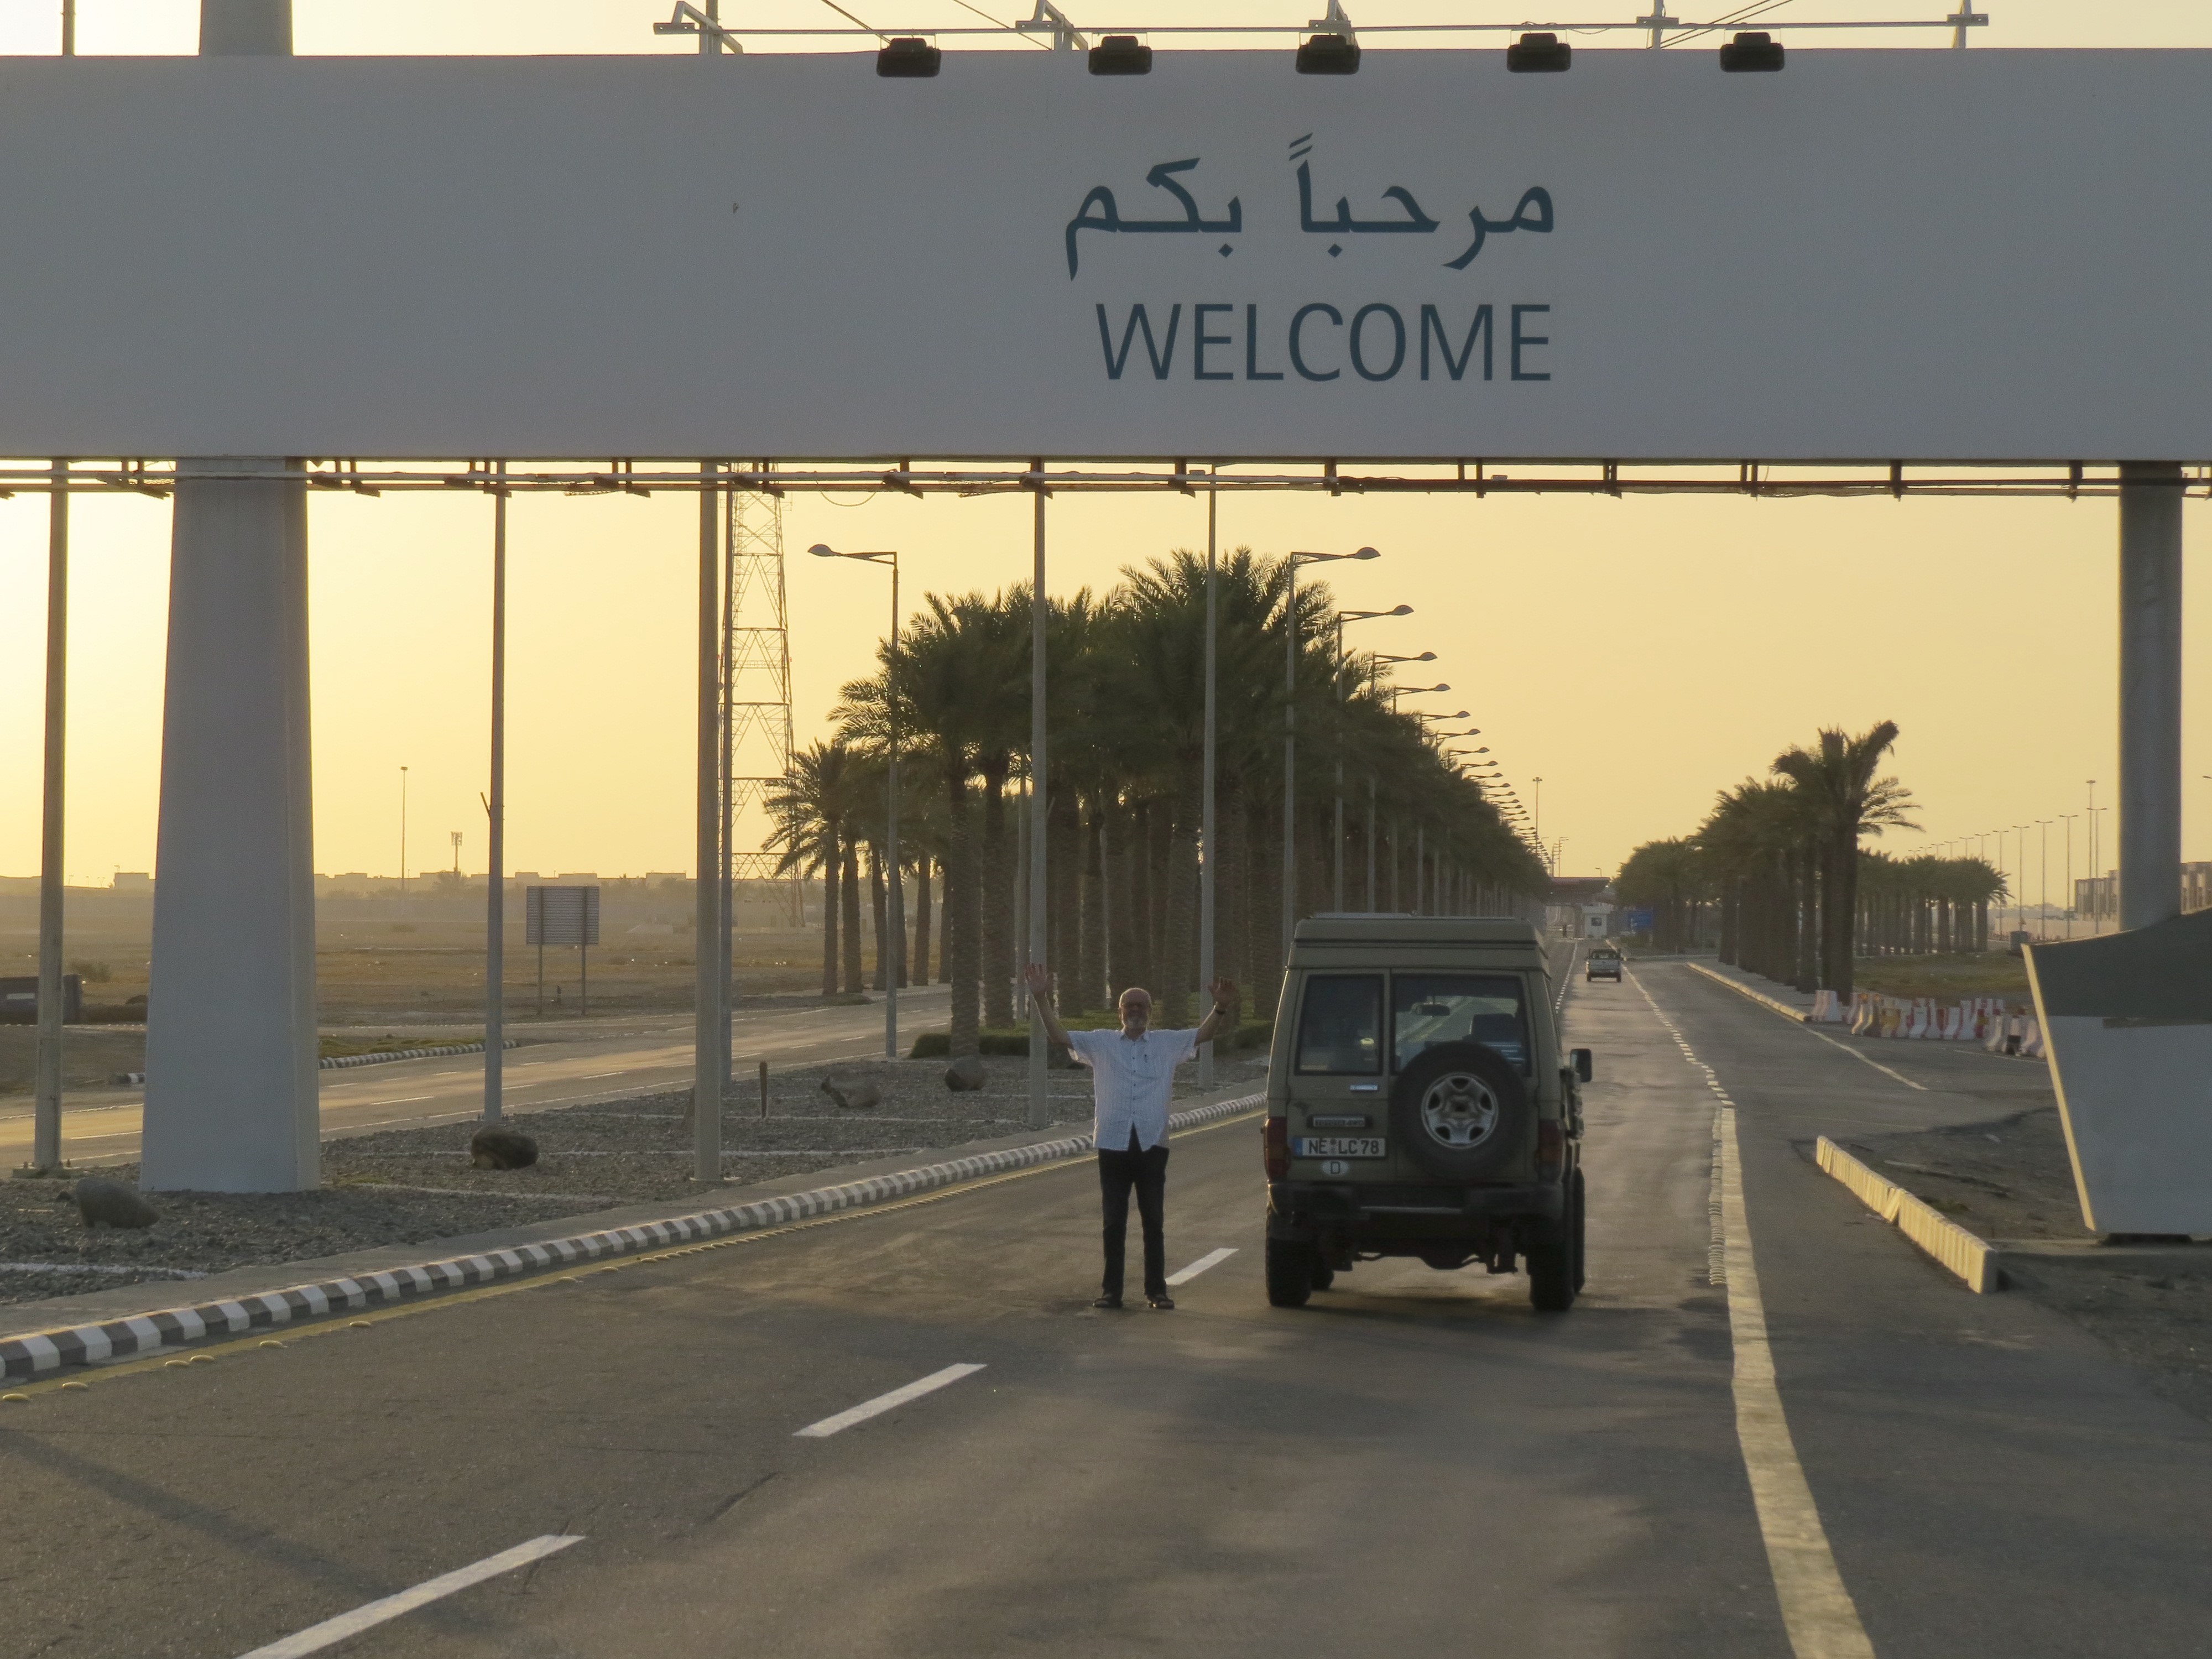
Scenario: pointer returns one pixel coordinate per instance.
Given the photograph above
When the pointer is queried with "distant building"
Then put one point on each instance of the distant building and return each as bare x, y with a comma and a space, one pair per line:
2098, 898
133, 881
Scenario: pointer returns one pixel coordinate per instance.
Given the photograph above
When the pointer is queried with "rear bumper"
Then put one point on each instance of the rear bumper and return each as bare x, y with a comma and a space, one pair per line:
1302, 1209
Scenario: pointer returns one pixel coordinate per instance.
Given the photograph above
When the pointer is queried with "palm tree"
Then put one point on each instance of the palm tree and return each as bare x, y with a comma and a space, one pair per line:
958, 689
1847, 802
1672, 877
809, 808
1757, 837
1125, 695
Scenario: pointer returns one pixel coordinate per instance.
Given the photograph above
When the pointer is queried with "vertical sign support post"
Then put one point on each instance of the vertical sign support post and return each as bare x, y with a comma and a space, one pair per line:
707, 921
2150, 692
1207, 842
495, 831
47, 1108
1290, 752
1038, 1113
723, 943
894, 918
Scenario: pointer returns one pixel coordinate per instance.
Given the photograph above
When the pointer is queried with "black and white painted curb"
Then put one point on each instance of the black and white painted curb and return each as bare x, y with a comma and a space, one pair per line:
34, 1352
340, 1062
382, 1057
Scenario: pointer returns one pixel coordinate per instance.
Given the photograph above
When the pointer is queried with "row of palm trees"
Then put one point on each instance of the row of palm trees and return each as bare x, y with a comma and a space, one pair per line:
1776, 876
1125, 699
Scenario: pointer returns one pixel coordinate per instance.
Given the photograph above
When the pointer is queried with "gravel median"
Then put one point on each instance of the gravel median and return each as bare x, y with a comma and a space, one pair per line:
2009, 1180
407, 1186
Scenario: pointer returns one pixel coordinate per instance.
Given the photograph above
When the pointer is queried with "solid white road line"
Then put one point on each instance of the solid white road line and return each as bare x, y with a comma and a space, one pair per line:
316, 1637
1868, 1058
883, 1402
1212, 1259
1817, 1610
1798, 1020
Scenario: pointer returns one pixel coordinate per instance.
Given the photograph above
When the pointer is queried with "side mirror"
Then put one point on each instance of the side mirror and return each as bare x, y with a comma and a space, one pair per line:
1581, 1061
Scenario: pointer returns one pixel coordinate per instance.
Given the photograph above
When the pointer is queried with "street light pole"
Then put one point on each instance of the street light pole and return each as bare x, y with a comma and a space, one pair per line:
2096, 891
1291, 562
2043, 879
1342, 697
403, 840
1336, 888
2070, 905
46, 1100
891, 948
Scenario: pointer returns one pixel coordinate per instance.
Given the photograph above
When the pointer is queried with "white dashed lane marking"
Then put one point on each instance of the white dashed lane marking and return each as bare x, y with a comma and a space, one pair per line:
331, 1631
883, 1402
1212, 1259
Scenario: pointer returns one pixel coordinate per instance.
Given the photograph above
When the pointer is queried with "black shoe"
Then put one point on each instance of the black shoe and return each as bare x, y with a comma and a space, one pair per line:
1163, 1302
1107, 1302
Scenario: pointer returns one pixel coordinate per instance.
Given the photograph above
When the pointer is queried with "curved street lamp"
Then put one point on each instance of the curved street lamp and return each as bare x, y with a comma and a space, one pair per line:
1342, 617
894, 920
1292, 561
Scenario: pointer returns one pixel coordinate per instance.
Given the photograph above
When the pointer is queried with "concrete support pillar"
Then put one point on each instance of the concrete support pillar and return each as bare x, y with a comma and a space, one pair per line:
231, 1098
245, 28
230, 1035
2150, 692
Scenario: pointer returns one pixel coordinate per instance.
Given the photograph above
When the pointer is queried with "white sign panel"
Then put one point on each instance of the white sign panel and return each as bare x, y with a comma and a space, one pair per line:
1921, 255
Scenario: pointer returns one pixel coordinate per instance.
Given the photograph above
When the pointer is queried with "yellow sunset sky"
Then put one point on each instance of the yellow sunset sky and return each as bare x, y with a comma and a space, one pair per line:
1637, 654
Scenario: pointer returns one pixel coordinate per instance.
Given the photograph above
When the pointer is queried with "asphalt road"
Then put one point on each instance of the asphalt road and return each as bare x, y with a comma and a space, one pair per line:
1414, 1464
593, 1061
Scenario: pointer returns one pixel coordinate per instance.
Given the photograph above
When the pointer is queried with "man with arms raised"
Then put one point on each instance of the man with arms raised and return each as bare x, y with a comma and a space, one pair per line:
1133, 1073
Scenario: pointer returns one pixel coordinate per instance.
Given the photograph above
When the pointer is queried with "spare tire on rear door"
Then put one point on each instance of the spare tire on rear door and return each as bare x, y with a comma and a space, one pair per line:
1462, 1111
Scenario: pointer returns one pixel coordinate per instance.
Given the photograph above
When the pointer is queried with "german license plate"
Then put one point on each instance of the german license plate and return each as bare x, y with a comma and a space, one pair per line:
1337, 1146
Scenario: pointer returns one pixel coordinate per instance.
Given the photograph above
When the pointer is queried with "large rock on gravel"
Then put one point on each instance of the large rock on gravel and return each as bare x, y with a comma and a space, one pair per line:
966, 1074
495, 1147
854, 1094
99, 1199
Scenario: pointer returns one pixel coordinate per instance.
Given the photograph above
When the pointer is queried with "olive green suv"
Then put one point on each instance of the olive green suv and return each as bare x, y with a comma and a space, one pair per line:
1418, 1105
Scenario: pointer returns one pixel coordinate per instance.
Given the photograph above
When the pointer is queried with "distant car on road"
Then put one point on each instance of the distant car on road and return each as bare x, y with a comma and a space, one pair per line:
1604, 962
1418, 1105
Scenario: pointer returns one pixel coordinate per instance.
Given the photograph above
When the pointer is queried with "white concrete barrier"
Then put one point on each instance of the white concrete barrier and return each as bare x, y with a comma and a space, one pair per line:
1952, 1246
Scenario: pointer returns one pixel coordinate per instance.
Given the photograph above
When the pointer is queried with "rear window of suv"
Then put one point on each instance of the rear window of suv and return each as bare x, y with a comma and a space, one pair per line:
1341, 1025
1426, 1009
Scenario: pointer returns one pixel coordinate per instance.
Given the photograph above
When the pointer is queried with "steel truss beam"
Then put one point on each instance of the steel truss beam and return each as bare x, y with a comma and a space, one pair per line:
1473, 477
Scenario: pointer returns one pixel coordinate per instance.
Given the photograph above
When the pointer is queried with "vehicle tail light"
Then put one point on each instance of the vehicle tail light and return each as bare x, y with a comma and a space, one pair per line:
1551, 1148
1276, 1135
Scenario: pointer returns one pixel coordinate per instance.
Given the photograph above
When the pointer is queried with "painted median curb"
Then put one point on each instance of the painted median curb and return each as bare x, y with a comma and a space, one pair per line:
384, 1056
1973, 1259
1741, 989
36, 1353
343, 1062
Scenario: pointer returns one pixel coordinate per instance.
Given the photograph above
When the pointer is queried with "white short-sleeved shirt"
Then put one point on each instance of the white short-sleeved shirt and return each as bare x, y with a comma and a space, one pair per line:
1131, 1079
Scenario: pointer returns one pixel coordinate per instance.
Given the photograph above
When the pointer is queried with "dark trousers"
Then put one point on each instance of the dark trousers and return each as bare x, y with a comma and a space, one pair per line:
1146, 1169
